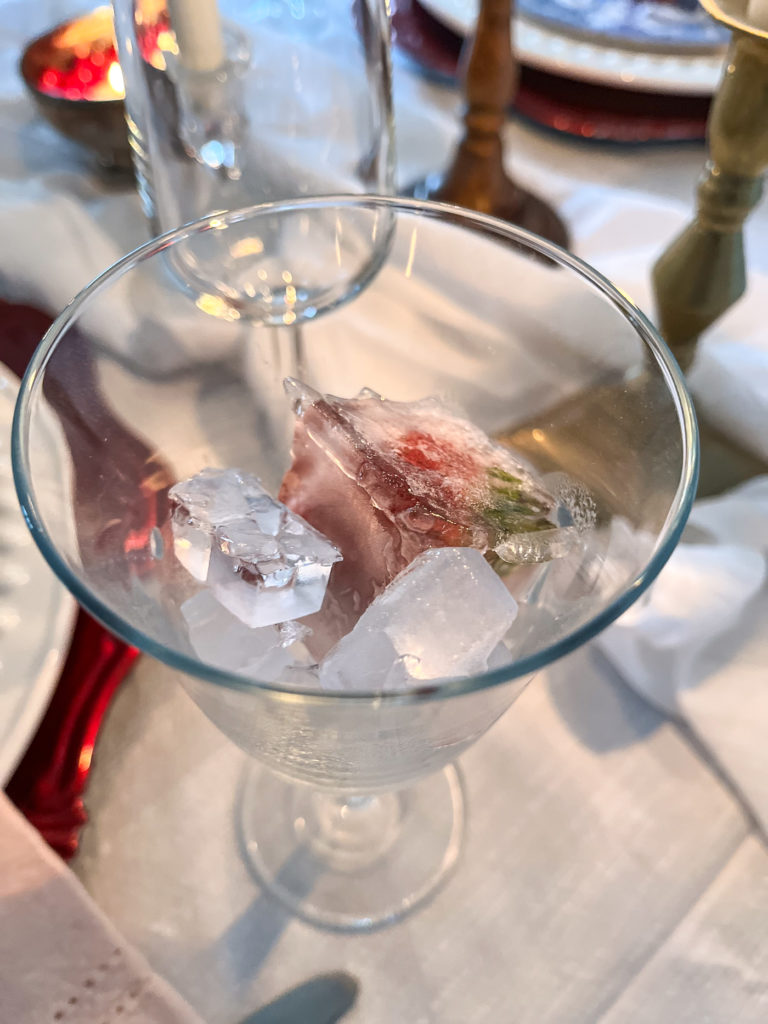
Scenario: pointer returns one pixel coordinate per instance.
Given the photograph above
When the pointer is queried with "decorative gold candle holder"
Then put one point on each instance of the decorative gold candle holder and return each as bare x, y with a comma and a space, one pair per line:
702, 273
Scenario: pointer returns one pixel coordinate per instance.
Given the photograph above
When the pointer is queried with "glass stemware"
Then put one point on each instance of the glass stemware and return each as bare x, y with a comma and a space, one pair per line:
352, 809
231, 103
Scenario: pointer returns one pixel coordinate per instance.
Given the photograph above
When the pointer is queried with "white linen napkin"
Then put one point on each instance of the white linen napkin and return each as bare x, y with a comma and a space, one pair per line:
60, 958
696, 645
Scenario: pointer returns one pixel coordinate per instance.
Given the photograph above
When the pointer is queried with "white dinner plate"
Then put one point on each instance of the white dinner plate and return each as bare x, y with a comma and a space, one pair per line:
589, 61
37, 613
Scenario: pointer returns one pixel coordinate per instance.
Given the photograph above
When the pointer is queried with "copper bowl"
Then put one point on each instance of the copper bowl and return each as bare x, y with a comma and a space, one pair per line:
98, 124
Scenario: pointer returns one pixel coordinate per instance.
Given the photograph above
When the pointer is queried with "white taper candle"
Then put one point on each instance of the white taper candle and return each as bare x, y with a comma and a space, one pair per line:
197, 27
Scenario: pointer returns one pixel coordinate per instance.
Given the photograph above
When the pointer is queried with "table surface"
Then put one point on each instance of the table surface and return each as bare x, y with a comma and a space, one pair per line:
610, 873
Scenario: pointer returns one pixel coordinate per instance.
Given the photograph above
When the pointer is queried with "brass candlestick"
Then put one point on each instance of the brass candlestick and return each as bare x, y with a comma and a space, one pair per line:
476, 178
702, 273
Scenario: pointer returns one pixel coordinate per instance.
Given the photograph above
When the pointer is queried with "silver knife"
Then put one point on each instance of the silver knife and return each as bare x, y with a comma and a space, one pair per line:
321, 1000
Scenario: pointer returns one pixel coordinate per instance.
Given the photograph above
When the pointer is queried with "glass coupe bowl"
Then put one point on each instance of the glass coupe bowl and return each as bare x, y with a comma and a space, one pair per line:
351, 811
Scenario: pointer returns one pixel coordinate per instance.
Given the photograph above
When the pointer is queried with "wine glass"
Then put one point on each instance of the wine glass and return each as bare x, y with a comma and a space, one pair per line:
351, 811
231, 103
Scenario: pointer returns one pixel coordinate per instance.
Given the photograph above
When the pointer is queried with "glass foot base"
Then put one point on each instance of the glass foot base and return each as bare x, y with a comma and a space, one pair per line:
350, 862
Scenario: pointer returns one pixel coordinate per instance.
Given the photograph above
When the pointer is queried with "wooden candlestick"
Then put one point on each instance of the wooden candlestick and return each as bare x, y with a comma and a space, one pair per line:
476, 178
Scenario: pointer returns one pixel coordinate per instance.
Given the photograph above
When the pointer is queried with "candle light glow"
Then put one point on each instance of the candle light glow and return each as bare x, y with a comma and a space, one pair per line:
84, 64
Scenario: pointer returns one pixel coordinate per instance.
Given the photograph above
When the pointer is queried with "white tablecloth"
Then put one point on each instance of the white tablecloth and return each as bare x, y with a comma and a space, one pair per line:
611, 873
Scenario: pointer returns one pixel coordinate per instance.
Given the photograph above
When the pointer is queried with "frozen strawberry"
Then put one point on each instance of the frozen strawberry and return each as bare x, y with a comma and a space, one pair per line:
384, 481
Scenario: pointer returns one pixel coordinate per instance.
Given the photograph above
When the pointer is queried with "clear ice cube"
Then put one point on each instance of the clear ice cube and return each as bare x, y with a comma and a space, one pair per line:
192, 547
216, 496
211, 498
262, 561
442, 617
573, 514
221, 640
539, 546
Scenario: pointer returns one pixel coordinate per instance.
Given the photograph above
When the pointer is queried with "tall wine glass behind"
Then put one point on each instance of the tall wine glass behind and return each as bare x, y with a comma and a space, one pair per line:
352, 810
231, 104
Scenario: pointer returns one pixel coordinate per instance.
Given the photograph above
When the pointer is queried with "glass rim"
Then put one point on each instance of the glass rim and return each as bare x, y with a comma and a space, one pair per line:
429, 689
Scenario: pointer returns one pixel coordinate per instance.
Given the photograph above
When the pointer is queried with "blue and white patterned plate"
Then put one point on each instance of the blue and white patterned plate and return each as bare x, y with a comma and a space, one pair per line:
671, 24
685, 71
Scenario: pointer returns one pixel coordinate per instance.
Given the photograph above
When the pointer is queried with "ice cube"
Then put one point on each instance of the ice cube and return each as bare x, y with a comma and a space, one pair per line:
365, 659
538, 546
301, 677
442, 617
292, 633
386, 480
221, 640
263, 562
192, 547
499, 657
216, 496
211, 498
573, 514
